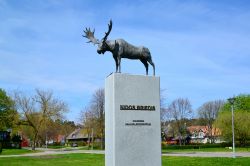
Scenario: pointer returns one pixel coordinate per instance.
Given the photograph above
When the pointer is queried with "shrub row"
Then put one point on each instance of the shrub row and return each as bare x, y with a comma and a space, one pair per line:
200, 146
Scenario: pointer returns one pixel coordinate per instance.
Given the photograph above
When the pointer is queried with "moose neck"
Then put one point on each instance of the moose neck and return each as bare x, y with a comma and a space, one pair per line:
111, 45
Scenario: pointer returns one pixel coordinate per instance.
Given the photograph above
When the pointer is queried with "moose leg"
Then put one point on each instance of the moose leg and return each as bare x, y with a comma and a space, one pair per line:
152, 63
116, 64
145, 64
119, 64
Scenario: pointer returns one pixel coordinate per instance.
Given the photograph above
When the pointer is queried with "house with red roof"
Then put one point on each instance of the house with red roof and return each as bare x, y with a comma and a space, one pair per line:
203, 134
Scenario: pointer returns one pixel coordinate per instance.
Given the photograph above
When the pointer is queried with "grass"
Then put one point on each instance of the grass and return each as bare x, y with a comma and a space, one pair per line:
56, 147
89, 148
98, 160
206, 150
17, 151
199, 161
58, 160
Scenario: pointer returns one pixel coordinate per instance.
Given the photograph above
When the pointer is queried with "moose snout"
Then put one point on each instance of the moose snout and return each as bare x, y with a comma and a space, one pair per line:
100, 51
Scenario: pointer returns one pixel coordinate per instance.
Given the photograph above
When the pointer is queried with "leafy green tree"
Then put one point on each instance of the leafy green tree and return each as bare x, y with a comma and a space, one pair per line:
8, 114
241, 119
241, 102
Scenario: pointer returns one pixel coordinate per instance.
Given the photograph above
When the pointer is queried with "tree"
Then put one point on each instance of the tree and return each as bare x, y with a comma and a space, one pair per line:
241, 119
241, 126
180, 110
38, 110
163, 109
8, 113
93, 116
163, 115
97, 106
208, 112
66, 127
89, 123
242, 102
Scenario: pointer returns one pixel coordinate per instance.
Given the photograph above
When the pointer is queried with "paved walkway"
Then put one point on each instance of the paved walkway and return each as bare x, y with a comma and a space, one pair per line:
186, 154
55, 151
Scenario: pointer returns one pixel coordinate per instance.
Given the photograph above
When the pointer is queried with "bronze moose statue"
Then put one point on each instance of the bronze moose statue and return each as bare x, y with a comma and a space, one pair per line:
120, 49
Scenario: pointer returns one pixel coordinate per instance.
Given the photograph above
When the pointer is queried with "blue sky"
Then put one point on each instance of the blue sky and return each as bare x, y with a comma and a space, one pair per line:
201, 48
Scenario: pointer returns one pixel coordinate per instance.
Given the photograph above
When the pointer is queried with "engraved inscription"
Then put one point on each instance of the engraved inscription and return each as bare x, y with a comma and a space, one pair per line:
137, 107
137, 123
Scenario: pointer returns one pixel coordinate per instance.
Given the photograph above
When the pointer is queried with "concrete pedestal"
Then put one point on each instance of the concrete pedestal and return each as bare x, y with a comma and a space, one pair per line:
132, 120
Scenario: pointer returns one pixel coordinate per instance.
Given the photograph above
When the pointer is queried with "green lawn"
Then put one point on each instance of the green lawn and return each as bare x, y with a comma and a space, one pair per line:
206, 150
56, 147
55, 160
16, 151
200, 161
98, 160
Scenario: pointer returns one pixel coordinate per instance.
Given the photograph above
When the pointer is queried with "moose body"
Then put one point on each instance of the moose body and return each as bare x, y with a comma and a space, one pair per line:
121, 49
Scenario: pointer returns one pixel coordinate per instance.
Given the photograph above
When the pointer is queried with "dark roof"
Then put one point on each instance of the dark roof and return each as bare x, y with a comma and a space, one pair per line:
77, 134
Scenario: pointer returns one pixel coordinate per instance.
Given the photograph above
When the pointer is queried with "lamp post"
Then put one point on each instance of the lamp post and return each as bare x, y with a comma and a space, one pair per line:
231, 101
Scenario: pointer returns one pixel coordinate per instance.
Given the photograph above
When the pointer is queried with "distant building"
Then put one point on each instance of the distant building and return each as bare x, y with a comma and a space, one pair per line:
56, 140
60, 139
25, 141
77, 137
201, 134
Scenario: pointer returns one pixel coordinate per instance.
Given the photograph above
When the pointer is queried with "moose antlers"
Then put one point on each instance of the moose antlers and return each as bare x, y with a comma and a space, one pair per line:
90, 34
107, 33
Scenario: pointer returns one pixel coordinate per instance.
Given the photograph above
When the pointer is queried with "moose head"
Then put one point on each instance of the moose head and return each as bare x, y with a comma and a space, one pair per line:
102, 45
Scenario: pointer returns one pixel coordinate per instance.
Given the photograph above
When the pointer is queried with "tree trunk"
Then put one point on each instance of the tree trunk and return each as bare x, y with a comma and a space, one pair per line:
89, 139
34, 142
211, 133
102, 139
180, 143
34, 145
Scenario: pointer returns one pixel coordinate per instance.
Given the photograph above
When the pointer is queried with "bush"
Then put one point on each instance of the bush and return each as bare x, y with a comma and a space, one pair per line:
82, 143
96, 145
16, 138
163, 145
196, 146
